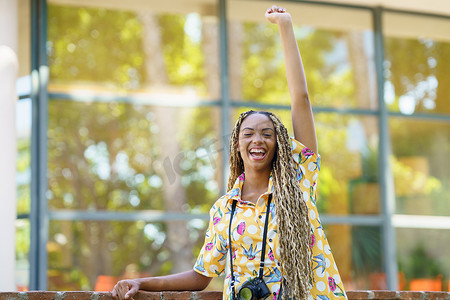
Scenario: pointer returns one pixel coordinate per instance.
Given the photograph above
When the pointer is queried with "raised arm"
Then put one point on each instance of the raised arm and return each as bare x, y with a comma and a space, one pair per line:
186, 281
302, 117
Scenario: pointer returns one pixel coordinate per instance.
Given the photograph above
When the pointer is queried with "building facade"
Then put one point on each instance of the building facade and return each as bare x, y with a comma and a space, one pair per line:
124, 113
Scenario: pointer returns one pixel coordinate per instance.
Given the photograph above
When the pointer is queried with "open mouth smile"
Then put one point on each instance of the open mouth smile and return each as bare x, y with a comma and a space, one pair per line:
257, 153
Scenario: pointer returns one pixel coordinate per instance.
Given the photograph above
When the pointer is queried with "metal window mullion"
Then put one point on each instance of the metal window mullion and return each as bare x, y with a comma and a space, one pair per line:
162, 216
433, 117
385, 172
315, 109
141, 100
146, 216
38, 214
416, 13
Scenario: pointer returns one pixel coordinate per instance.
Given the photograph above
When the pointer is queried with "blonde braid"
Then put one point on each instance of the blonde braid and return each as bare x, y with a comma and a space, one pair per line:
291, 210
236, 162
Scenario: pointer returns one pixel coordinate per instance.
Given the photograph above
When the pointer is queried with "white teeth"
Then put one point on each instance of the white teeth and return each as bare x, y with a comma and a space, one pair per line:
257, 151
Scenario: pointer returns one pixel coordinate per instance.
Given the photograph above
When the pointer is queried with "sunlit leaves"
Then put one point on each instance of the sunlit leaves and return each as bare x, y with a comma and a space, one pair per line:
417, 78
182, 52
95, 45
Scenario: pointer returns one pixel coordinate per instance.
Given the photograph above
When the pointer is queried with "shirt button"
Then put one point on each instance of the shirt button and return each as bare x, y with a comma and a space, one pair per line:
260, 216
270, 240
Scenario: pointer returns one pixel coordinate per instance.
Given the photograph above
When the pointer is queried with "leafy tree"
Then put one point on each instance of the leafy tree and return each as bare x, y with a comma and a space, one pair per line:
107, 156
83, 52
422, 75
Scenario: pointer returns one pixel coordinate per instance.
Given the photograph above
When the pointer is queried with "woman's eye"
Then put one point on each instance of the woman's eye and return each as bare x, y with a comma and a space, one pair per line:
267, 135
247, 134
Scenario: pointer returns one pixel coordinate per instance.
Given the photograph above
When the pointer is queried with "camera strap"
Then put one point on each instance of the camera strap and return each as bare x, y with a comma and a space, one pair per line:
233, 289
263, 250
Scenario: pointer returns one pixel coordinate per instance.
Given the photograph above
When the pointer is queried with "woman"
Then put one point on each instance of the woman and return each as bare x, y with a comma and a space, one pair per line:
272, 177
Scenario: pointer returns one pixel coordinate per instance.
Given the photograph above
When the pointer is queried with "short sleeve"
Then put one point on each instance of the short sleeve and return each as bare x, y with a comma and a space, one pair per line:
304, 156
307, 165
212, 257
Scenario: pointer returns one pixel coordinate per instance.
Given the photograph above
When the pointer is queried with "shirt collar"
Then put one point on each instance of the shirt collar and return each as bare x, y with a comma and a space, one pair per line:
235, 192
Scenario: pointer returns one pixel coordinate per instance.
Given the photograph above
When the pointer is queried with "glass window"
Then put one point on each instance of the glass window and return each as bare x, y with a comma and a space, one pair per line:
23, 194
358, 255
23, 159
89, 255
338, 60
22, 274
124, 157
110, 148
81, 254
152, 50
417, 51
23, 86
423, 258
421, 166
23, 169
348, 180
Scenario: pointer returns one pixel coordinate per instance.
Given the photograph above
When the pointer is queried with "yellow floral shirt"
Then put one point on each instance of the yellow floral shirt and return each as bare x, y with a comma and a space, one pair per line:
247, 233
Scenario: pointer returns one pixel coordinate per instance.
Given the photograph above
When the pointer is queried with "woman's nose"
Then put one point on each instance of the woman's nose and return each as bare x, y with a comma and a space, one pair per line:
257, 138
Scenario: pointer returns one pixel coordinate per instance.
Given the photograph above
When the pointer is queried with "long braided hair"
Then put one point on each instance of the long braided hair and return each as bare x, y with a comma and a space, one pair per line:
291, 209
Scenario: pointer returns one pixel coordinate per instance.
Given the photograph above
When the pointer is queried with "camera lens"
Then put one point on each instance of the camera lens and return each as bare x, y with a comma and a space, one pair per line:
245, 294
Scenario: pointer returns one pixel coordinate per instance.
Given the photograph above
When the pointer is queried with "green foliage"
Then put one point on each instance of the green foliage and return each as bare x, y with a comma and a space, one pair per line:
421, 74
264, 76
95, 45
370, 165
263, 70
24, 172
183, 56
98, 156
22, 239
424, 140
99, 159
420, 264
23, 197
366, 250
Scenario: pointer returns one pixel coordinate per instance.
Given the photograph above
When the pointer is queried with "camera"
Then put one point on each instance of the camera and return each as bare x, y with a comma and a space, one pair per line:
253, 289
